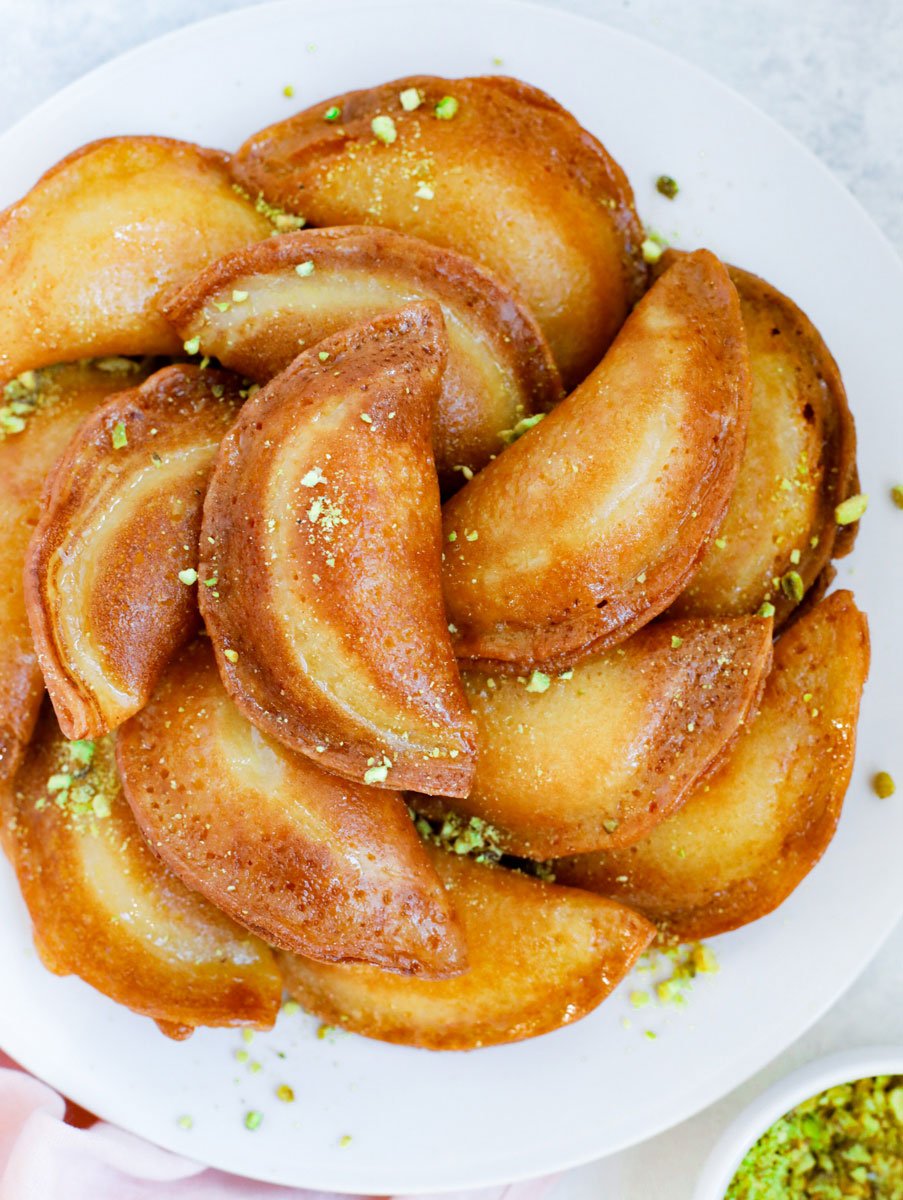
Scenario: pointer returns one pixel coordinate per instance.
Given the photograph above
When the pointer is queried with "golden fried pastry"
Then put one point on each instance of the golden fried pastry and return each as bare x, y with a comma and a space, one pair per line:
85, 256
314, 864
299, 288
799, 464
597, 757
590, 524
757, 826
104, 908
112, 564
322, 529
39, 414
488, 166
541, 956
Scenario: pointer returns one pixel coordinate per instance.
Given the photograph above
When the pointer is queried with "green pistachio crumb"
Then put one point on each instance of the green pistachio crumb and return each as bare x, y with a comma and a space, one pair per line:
332, 113
650, 1036
676, 642
192, 346
410, 99
285, 1093
851, 509
59, 782
253, 1119
376, 774
238, 296
222, 306
345, 1140
884, 785
611, 825
82, 751
288, 91
185, 1122
652, 250
896, 494
323, 1031
666, 186
241, 1056
304, 269
846, 1142
119, 437
188, 576
538, 682
291, 1007
446, 108
523, 426
231, 655
793, 587
766, 609
453, 537
384, 130
323, 356
795, 557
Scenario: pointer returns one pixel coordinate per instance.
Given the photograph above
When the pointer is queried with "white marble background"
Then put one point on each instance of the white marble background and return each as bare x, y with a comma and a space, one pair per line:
830, 71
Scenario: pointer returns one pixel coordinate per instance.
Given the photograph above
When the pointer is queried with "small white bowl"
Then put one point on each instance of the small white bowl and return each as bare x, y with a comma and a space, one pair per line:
845, 1067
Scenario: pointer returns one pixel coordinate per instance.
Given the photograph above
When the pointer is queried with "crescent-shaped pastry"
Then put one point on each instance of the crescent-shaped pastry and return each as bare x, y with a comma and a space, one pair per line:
590, 524
39, 414
597, 757
296, 289
747, 837
487, 166
799, 464
104, 908
111, 567
88, 252
541, 956
311, 862
322, 529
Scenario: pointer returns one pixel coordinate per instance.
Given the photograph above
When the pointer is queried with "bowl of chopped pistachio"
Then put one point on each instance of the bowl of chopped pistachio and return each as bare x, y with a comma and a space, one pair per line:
832, 1129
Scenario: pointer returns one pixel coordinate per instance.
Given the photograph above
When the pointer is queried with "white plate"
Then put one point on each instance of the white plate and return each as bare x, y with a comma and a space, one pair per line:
422, 1121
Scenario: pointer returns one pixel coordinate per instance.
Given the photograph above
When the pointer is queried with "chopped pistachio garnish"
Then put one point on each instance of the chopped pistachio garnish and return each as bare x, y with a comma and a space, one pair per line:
323, 356
538, 682
247, 1035
304, 269
312, 478
345, 1140
523, 426
639, 998
384, 130
652, 250
410, 99
231, 655
795, 557
291, 1007
666, 186
463, 835
192, 346
845, 1143
253, 1119
453, 537
424, 192
471, 535
851, 509
611, 825
288, 91
766, 609
285, 1093
281, 220
188, 576
793, 587
59, 782
82, 751
222, 306
376, 774
185, 1122
676, 642
896, 494
119, 437
332, 113
884, 785
446, 108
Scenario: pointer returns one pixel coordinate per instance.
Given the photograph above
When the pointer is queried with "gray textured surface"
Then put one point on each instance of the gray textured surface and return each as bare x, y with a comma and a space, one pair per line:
829, 71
